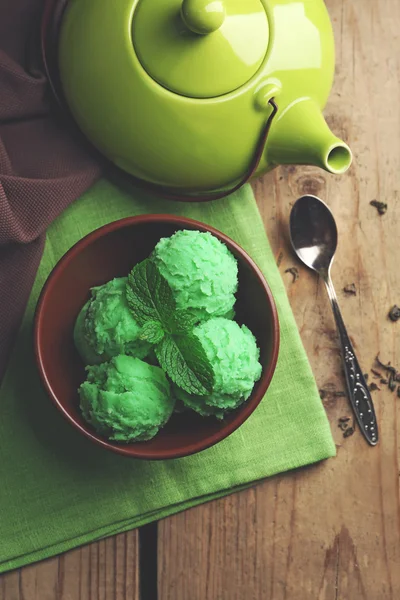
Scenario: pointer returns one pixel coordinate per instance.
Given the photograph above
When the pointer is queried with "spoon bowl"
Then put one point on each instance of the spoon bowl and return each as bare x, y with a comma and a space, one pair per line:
313, 233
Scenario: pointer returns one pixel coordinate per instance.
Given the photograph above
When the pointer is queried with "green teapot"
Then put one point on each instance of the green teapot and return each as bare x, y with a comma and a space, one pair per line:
197, 96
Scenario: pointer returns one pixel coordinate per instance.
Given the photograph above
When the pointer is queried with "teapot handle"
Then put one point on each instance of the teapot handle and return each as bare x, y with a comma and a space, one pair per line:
250, 172
50, 26
209, 196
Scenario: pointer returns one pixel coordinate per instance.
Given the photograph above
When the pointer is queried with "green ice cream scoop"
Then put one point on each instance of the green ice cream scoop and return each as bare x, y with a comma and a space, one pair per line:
233, 353
201, 271
106, 327
126, 399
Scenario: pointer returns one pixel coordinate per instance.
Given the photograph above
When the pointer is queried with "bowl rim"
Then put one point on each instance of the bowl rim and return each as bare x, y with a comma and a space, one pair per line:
246, 410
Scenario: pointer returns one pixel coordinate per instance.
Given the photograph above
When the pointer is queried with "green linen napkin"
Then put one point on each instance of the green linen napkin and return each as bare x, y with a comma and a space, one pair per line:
58, 490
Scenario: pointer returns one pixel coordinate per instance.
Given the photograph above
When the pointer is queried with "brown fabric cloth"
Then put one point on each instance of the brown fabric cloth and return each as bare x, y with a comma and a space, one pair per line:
42, 168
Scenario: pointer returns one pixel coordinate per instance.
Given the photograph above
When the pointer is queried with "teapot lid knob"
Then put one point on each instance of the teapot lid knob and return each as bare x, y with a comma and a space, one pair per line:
208, 48
203, 16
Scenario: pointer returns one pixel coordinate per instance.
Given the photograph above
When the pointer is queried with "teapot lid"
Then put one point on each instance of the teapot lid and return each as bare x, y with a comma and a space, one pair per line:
200, 48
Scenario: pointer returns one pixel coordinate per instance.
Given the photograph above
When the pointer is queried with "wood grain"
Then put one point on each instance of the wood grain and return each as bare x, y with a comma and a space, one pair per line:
106, 570
332, 531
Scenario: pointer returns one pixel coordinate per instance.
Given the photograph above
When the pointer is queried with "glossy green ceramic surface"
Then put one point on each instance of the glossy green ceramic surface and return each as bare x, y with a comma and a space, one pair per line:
204, 16
193, 144
200, 65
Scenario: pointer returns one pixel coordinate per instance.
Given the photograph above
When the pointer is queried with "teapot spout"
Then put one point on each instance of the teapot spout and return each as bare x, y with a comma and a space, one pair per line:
300, 135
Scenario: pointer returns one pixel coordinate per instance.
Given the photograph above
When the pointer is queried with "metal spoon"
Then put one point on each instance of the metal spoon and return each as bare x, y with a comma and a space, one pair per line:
314, 236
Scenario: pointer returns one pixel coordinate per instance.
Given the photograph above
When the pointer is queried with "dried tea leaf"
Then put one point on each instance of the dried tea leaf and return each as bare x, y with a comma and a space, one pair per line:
350, 289
392, 383
384, 381
381, 207
294, 272
373, 387
398, 391
387, 367
394, 313
349, 431
344, 419
377, 375
343, 423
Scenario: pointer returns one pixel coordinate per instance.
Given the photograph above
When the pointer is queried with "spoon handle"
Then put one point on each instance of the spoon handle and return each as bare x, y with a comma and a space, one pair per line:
359, 393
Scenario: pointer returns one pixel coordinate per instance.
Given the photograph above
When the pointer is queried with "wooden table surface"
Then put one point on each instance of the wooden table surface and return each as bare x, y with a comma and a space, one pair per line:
328, 532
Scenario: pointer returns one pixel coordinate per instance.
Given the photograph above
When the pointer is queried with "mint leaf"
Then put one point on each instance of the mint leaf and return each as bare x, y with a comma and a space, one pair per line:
151, 298
183, 321
149, 295
152, 332
180, 354
185, 362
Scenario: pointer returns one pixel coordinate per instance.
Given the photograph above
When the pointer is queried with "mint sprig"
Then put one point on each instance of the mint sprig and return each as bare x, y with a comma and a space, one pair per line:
183, 321
186, 363
179, 353
152, 332
149, 294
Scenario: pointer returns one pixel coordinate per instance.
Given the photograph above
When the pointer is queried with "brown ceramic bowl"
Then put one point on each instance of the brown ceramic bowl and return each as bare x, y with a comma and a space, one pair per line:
111, 251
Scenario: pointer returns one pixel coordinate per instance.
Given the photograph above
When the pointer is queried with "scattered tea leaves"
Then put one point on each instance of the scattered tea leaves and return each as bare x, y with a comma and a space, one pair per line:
394, 313
391, 378
344, 423
392, 383
349, 431
345, 426
294, 272
376, 374
373, 387
381, 207
350, 289
387, 367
